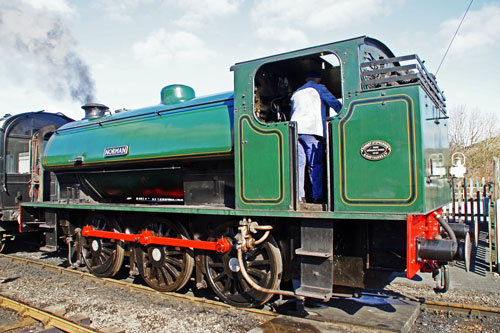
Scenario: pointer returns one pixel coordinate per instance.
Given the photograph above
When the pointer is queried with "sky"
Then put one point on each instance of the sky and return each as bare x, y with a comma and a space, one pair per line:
57, 54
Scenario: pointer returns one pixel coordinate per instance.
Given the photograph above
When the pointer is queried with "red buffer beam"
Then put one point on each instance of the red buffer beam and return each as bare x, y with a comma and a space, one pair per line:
146, 237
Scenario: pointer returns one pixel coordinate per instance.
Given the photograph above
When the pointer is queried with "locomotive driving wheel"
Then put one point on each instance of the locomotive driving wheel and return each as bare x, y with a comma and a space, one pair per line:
103, 257
263, 264
165, 268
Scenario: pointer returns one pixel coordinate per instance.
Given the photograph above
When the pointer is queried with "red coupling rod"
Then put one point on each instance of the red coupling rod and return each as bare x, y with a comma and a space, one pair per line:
146, 237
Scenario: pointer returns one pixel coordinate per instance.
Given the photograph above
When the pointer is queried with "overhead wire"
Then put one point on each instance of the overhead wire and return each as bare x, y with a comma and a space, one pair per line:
456, 32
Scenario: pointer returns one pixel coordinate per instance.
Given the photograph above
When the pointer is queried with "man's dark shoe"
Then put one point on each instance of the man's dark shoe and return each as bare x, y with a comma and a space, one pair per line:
317, 201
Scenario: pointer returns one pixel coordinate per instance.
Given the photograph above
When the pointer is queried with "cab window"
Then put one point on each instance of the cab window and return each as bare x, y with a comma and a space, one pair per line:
275, 83
17, 158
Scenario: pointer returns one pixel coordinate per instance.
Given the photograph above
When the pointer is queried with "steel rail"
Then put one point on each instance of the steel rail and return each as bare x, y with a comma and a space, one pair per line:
45, 317
443, 306
136, 287
469, 309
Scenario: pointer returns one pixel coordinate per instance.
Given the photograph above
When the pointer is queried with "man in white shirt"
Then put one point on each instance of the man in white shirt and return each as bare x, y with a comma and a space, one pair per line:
309, 112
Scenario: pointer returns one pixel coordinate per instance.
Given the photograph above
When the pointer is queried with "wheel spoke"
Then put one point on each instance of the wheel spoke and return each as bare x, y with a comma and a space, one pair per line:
258, 263
174, 261
105, 260
158, 275
255, 254
171, 253
227, 285
216, 265
260, 275
167, 277
172, 270
93, 260
239, 286
107, 251
220, 276
106, 243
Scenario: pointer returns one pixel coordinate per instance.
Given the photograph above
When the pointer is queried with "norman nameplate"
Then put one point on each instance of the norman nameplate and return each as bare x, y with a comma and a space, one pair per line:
116, 151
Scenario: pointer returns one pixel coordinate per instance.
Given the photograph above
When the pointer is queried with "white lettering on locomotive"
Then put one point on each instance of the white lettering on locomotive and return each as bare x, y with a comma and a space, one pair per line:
116, 151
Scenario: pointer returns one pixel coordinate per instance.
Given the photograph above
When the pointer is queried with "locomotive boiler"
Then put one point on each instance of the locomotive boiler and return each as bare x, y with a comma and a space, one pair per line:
149, 154
206, 188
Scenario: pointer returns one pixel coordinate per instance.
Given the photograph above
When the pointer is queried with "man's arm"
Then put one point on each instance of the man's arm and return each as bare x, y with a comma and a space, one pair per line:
327, 96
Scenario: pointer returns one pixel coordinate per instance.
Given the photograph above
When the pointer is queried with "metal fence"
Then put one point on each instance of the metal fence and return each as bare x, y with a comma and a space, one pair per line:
476, 202
470, 200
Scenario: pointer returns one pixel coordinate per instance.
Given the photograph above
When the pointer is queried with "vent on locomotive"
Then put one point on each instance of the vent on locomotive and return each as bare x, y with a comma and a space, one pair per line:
275, 83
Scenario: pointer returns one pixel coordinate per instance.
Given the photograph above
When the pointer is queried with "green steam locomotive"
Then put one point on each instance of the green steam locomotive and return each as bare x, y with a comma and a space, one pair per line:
206, 188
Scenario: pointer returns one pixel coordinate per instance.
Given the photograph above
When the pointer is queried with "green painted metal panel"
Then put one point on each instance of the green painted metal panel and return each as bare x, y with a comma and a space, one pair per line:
150, 135
388, 179
436, 155
404, 181
392, 183
206, 210
261, 146
263, 163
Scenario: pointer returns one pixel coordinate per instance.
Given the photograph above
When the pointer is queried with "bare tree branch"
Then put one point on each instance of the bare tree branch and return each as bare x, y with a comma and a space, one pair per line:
477, 135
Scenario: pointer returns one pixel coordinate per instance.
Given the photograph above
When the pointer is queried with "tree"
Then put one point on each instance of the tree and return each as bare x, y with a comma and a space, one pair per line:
477, 135
467, 128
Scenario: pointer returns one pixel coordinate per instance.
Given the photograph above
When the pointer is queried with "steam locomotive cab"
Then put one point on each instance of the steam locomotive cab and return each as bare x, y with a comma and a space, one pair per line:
378, 147
18, 159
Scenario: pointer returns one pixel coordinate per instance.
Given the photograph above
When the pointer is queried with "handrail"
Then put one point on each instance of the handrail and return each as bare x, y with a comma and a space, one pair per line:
425, 78
153, 112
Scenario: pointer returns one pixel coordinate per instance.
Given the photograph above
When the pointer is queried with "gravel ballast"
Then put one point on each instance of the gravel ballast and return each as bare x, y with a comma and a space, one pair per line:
117, 309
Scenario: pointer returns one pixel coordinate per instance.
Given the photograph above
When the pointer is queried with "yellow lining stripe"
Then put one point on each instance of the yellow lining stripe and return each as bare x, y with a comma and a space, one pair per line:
409, 153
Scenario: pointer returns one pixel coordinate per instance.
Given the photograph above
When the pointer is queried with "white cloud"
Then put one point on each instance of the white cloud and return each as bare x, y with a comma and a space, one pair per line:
121, 10
197, 12
178, 46
288, 18
284, 34
480, 29
188, 14
60, 6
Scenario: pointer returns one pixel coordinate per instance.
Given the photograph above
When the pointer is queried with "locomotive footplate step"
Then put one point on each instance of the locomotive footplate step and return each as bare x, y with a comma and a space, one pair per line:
294, 324
358, 314
364, 314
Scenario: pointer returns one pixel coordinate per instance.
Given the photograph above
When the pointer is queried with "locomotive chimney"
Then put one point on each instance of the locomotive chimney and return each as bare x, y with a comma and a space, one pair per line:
94, 110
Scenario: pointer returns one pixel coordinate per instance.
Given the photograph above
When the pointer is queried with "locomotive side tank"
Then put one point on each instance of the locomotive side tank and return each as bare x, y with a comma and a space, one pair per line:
146, 153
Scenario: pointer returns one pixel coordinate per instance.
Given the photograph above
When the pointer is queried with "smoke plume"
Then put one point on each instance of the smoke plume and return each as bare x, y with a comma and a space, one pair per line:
36, 43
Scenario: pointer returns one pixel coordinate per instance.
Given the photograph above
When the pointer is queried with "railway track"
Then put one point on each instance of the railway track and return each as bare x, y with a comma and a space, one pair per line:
470, 310
271, 320
443, 306
133, 286
47, 318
